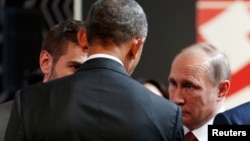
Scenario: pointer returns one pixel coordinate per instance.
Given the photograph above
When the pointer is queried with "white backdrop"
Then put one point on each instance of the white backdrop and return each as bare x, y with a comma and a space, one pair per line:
226, 24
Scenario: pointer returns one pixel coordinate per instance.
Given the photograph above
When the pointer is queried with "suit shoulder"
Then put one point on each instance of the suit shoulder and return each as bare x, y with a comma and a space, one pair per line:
240, 108
6, 106
38, 90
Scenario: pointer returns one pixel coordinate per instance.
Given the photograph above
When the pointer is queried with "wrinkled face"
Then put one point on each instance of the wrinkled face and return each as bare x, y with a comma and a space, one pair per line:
190, 88
68, 63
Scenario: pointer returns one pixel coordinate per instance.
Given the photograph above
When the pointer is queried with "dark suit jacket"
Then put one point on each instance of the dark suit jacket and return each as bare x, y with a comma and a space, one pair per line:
239, 115
5, 110
99, 102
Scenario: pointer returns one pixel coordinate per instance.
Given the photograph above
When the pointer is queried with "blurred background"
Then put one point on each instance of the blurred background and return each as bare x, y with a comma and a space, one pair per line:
172, 26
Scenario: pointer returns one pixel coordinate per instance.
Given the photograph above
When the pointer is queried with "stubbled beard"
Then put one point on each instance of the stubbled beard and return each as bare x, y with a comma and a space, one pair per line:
53, 74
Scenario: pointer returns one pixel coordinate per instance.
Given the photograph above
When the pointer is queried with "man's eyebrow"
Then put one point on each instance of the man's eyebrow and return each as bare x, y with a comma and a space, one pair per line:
74, 63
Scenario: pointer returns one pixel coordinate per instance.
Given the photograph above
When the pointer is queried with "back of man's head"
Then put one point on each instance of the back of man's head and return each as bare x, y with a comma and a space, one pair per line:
116, 21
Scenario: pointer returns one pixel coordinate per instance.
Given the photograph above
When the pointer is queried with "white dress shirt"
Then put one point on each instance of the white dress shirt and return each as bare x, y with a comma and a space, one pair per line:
201, 133
104, 56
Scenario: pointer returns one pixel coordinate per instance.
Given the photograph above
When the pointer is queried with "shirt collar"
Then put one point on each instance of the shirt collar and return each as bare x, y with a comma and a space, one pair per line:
104, 56
201, 133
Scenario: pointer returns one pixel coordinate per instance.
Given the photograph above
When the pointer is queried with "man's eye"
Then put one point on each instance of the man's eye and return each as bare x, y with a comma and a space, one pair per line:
190, 86
172, 83
76, 66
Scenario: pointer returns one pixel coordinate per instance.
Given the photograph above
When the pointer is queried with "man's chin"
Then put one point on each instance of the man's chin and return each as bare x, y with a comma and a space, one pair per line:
185, 117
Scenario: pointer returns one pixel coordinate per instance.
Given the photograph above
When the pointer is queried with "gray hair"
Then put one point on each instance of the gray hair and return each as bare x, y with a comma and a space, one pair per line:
219, 67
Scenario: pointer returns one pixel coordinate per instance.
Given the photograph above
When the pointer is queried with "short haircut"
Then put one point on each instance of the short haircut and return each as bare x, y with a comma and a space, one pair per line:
219, 67
116, 21
57, 38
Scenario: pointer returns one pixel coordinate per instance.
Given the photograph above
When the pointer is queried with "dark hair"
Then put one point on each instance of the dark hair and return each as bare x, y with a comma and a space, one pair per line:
161, 87
116, 21
56, 39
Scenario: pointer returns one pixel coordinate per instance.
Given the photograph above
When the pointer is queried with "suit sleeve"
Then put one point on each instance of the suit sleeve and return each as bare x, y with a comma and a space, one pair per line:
14, 130
179, 133
221, 119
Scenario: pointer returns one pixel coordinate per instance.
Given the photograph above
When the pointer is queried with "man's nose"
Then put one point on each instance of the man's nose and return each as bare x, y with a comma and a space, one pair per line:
178, 97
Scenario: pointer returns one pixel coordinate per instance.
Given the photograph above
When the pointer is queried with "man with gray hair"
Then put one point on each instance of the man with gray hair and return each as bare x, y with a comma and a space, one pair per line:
199, 81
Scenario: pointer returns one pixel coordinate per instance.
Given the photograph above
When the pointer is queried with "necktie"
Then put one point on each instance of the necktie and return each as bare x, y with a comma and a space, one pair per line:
190, 137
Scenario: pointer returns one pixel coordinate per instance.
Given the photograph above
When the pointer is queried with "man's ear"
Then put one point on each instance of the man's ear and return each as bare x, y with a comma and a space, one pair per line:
223, 89
82, 38
137, 45
45, 62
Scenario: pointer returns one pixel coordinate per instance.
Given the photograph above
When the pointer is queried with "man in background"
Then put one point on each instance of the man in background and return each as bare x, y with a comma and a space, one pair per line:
155, 86
199, 81
63, 51
101, 101
238, 115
